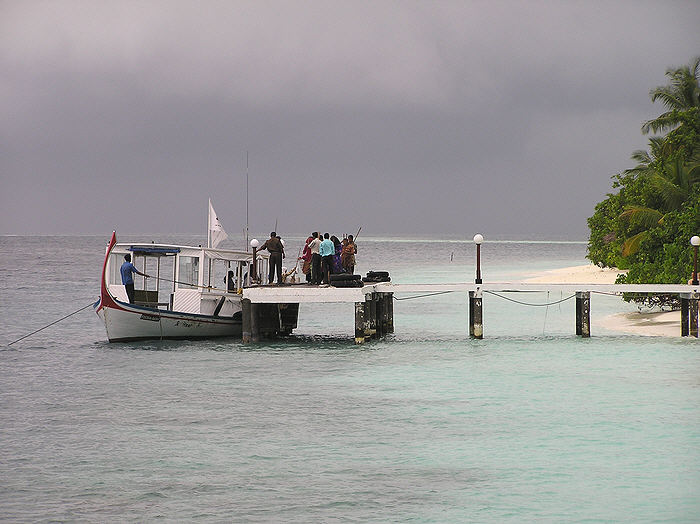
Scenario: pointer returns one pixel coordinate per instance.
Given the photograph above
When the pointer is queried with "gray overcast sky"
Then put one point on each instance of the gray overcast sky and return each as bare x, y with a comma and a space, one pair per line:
506, 118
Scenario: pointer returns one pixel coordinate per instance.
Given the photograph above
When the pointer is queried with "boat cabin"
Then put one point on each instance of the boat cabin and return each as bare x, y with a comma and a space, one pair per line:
187, 279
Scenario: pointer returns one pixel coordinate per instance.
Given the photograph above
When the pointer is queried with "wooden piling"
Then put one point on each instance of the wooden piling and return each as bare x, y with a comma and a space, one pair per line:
579, 313
583, 313
693, 314
254, 322
390, 313
378, 323
685, 315
476, 326
373, 315
245, 317
366, 322
385, 299
359, 322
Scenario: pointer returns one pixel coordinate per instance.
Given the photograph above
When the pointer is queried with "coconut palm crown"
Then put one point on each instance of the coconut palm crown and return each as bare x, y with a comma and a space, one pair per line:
682, 94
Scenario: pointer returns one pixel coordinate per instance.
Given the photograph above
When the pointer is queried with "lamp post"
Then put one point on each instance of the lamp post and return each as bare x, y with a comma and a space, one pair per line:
695, 242
476, 313
254, 270
478, 239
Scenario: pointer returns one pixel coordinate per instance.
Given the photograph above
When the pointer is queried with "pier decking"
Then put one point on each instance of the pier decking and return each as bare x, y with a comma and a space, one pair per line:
374, 301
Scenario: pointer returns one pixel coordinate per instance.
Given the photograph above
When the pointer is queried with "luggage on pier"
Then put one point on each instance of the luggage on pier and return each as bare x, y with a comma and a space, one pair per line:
344, 276
377, 276
346, 280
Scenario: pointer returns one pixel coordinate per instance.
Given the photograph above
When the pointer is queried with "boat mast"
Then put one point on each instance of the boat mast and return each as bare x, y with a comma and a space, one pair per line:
246, 201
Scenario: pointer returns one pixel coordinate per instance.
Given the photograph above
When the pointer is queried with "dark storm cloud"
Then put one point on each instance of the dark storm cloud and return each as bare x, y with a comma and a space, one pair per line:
404, 117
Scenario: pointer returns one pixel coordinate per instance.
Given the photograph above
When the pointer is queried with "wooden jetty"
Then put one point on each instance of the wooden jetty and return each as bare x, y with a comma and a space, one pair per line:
374, 311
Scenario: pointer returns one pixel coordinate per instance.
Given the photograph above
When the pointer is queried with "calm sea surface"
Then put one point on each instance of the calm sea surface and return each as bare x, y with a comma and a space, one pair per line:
531, 424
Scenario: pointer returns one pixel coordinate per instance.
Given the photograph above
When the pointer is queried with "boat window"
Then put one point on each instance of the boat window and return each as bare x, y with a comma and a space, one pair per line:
114, 265
220, 271
189, 272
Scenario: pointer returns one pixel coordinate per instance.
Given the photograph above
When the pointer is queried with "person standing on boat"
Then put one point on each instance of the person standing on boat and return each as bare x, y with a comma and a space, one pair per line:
230, 281
274, 246
127, 270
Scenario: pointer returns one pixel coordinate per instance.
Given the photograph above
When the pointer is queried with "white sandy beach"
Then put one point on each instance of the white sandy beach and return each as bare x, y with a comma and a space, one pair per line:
586, 274
659, 324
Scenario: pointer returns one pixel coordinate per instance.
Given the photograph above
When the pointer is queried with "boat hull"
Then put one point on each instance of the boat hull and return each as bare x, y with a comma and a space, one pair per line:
127, 322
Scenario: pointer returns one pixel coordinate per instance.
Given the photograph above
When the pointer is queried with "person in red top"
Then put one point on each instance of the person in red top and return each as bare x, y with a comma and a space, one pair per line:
274, 246
306, 257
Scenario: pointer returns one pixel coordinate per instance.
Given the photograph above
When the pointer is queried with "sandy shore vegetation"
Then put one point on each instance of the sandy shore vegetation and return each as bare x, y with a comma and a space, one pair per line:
660, 324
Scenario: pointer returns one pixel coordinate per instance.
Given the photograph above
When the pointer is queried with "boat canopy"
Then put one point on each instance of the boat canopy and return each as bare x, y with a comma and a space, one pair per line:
153, 250
219, 254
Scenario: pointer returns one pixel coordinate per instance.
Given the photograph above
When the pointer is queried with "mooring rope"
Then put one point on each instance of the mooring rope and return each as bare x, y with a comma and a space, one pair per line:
422, 296
616, 294
492, 293
52, 323
170, 280
530, 304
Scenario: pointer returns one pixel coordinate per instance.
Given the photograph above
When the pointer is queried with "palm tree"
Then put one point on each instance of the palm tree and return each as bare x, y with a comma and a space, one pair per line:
673, 182
659, 148
682, 94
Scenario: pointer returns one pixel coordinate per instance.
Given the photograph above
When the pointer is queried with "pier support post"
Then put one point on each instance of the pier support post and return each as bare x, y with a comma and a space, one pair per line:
359, 322
386, 300
254, 322
685, 314
583, 313
373, 315
476, 325
693, 310
380, 314
390, 313
366, 317
245, 317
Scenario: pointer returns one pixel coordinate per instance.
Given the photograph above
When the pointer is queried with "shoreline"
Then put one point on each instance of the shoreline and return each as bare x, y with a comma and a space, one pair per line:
585, 274
653, 324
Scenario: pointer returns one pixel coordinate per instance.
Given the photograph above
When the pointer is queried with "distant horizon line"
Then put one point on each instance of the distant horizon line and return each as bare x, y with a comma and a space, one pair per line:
425, 237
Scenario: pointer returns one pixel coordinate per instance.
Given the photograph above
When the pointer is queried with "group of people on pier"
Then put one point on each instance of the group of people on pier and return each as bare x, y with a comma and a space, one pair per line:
322, 256
327, 255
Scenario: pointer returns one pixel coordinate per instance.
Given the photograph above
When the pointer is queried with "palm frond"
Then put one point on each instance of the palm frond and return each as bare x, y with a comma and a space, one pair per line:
662, 123
668, 96
694, 174
670, 192
644, 217
631, 245
641, 156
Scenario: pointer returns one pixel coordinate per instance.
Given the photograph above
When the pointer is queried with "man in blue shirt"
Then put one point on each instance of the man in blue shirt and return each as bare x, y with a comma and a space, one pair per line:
127, 270
326, 250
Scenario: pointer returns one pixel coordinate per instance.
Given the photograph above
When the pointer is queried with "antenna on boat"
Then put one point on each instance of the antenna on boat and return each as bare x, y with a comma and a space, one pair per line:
246, 200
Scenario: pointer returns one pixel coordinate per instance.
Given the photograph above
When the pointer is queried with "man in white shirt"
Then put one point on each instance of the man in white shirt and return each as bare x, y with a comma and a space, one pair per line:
314, 247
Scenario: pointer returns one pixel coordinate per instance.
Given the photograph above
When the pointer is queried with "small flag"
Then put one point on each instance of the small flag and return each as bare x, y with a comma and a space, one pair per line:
216, 231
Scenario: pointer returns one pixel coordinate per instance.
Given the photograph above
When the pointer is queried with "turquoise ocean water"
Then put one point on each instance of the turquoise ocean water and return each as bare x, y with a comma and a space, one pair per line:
531, 424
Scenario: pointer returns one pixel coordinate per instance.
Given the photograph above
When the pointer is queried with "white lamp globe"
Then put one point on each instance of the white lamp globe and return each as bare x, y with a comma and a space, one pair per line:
478, 238
695, 241
254, 243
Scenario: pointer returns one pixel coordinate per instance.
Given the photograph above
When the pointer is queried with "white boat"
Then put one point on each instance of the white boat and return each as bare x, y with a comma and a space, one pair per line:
189, 293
